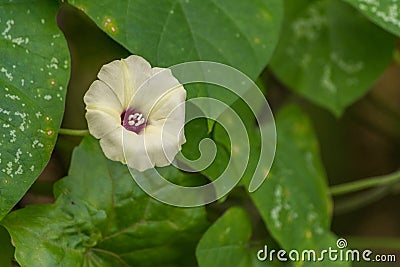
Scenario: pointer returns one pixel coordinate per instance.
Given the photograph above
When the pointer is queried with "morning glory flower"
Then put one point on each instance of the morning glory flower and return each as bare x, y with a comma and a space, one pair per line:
137, 112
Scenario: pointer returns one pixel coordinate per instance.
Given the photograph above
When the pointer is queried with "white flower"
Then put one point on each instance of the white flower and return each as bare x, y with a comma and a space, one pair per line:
137, 112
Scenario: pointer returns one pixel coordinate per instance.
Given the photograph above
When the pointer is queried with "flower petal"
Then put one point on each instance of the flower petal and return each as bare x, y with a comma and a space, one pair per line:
153, 90
100, 95
111, 144
169, 105
111, 74
169, 115
135, 151
101, 123
125, 76
150, 149
139, 70
162, 146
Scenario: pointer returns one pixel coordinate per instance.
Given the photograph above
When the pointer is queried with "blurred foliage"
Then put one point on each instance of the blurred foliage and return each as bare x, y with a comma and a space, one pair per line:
332, 41
7, 250
226, 242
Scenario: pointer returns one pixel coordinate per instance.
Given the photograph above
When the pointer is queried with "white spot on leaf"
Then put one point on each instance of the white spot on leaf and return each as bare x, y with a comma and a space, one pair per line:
8, 74
326, 79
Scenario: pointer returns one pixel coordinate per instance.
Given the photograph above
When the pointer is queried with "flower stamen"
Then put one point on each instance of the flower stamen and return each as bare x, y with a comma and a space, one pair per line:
136, 119
133, 120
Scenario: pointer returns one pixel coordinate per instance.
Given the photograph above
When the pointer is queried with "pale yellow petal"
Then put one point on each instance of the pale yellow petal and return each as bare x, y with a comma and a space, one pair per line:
153, 90
125, 76
112, 75
135, 151
100, 95
170, 105
111, 144
139, 70
152, 148
100, 123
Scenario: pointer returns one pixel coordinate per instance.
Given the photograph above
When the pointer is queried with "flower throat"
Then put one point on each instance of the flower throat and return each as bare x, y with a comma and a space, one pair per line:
133, 120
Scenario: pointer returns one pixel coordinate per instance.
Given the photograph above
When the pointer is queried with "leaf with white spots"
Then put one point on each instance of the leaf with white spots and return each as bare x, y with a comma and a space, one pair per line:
34, 70
330, 53
385, 13
294, 201
243, 34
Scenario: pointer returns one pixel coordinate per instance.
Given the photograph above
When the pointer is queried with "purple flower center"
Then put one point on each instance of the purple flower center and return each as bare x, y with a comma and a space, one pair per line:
133, 120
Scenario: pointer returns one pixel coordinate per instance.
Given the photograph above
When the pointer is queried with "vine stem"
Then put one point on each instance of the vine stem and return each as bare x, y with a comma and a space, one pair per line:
360, 200
73, 132
383, 180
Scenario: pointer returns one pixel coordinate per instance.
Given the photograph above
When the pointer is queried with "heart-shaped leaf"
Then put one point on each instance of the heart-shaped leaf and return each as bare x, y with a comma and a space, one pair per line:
328, 52
34, 70
102, 218
166, 32
385, 13
294, 201
226, 242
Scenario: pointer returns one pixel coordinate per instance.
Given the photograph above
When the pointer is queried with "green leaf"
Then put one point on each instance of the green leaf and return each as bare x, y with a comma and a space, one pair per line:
6, 251
34, 70
102, 218
196, 131
294, 201
385, 13
329, 52
166, 32
226, 242
253, 135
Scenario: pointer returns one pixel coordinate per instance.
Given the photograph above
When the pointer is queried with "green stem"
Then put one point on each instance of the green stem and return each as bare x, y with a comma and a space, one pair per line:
360, 200
396, 56
383, 180
73, 132
369, 243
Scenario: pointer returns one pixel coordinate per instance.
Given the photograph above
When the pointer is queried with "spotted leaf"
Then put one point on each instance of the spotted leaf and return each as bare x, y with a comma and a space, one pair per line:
385, 13
34, 69
330, 53
294, 201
